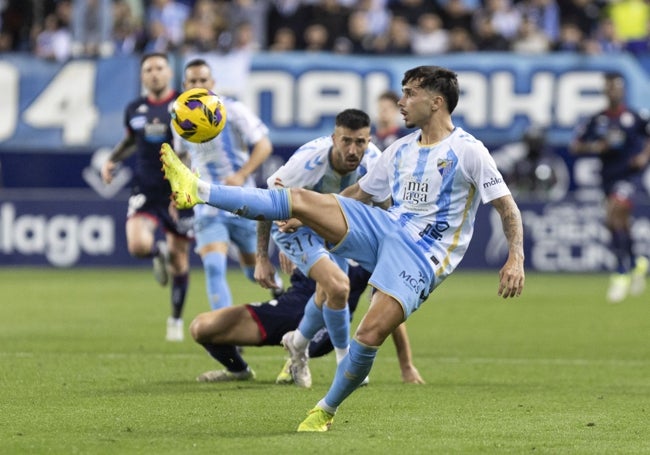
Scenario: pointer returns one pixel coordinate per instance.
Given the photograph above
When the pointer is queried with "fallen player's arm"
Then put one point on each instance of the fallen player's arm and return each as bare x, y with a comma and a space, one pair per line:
410, 374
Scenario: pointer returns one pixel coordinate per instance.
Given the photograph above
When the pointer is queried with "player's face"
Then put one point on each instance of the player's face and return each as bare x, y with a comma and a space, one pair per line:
387, 111
156, 75
198, 77
416, 104
348, 148
615, 90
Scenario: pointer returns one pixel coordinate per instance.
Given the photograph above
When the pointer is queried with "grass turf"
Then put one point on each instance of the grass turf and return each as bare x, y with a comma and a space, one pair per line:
84, 368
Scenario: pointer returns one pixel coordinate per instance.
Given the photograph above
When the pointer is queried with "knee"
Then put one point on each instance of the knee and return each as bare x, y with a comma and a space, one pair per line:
199, 329
369, 337
139, 249
337, 292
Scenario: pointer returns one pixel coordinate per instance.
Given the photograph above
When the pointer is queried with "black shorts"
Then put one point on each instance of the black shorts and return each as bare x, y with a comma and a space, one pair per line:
157, 208
277, 317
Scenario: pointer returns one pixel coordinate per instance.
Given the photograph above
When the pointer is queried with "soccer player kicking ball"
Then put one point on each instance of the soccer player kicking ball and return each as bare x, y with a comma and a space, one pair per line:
435, 178
328, 164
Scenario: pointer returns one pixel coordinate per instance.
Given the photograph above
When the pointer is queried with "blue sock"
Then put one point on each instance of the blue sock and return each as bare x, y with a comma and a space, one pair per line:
179, 290
351, 372
338, 325
227, 355
312, 321
216, 284
252, 203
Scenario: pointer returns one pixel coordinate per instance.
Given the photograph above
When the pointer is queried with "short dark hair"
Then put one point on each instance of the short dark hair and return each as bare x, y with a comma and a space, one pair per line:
389, 95
613, 75
438, 79
354, 119
146, 57
196, 62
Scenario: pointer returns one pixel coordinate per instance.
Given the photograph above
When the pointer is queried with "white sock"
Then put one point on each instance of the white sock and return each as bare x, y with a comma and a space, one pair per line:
340, 353
203, 190
321, 404
299, 341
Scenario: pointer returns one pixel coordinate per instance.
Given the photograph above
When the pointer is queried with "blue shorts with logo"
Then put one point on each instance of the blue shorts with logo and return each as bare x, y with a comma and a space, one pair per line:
379, 244
304, 247
239, 231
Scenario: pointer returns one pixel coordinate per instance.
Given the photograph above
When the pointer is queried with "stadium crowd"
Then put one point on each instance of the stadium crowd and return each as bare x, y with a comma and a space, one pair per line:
63, 29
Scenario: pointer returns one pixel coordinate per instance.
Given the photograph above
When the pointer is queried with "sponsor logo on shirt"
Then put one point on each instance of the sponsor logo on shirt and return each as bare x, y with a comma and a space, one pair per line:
492, 182
416, 192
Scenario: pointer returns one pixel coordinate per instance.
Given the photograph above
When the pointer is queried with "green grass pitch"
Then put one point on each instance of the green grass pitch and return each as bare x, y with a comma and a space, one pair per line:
84, 369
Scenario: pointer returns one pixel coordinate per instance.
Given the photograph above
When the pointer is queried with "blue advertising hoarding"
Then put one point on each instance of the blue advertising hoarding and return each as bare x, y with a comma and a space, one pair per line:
59, 121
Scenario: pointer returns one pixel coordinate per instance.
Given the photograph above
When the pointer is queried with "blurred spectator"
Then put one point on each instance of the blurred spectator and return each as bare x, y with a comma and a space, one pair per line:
545, 14
530, 39
204, 29
429, 37
502, 16
583, 13
411, 10
388, 125
376, 15
333, 17
92, 28
457, 14
128, 34
284, 40
249, 17
166, 19
460, 41
54, 40
245, 38
157, 40
359, 37
316, 38
487, 37
605, 39
398, 38
571, 39
287, 14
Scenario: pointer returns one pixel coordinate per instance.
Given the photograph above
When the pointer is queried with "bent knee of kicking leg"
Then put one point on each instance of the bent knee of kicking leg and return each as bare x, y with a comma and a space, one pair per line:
199, 328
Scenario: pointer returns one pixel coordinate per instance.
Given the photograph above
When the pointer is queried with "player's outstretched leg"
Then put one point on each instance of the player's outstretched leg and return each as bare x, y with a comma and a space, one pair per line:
183, 181
252, 203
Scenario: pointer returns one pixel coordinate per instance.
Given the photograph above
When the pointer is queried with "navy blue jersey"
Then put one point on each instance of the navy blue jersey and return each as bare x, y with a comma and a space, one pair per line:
625, 132
149, 123
277, 317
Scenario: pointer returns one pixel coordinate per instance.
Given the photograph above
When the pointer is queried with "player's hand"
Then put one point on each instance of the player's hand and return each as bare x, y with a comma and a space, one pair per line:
107, 171
235, 179
639, 161
289, 225
265, 273
411, 375
599, 147
511, 278
285, 263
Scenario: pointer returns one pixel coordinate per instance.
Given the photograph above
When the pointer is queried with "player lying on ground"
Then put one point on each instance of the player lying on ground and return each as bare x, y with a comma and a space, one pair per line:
264, 324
